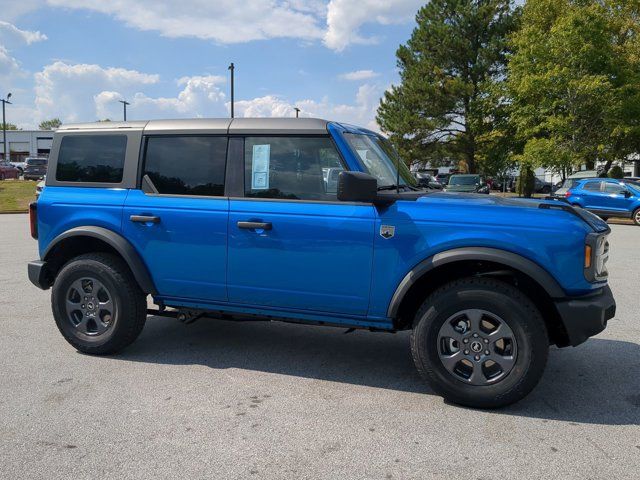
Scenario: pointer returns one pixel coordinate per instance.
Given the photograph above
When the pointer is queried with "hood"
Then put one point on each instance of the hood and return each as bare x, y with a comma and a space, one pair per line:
493, 201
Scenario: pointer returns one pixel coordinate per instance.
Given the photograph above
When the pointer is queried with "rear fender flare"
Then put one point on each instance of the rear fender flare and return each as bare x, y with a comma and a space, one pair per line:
118, 243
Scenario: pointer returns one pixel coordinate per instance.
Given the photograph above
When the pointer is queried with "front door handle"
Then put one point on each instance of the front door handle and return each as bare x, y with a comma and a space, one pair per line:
144, 218
255, 225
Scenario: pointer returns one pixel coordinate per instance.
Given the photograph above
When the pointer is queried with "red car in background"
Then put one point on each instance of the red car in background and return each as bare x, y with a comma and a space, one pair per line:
8, 171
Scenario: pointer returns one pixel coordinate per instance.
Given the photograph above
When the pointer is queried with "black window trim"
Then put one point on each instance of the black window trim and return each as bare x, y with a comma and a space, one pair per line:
130, 161
142, 160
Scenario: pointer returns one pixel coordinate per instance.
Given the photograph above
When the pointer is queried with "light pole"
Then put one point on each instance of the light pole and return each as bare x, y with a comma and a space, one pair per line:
297, 111
124, 104
4, 127
232, 68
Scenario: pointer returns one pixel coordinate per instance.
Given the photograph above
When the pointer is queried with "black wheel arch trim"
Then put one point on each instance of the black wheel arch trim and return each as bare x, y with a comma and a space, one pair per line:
119, 244
513, 260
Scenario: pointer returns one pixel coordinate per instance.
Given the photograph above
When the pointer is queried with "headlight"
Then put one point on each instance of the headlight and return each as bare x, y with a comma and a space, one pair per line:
596, 254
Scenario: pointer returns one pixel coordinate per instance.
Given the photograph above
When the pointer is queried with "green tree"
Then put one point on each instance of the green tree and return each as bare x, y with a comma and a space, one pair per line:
444, 109
11, 126
616, 172
50, 124
574, 81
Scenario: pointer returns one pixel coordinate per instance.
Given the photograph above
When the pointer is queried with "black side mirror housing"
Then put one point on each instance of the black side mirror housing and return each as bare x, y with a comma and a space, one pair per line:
357, 187
627, 193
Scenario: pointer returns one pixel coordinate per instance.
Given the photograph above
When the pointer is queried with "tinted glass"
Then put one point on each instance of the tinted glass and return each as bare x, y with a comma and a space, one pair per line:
592, 186
91, 158
36, 161
464, 180
614, 188
296, 168
187, 165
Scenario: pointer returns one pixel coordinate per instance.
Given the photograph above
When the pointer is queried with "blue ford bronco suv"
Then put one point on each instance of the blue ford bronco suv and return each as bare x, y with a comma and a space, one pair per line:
315, 222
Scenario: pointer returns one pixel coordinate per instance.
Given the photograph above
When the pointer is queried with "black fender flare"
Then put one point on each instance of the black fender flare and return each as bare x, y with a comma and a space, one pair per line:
119, 244
510, 259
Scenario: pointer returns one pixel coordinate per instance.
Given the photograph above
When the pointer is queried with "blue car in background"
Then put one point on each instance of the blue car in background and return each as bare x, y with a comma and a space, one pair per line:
606, 197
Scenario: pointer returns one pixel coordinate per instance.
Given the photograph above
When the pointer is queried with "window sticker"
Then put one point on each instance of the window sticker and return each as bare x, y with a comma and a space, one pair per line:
260, 167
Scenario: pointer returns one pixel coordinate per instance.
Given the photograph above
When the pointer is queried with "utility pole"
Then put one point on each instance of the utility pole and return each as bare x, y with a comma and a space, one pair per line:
4, 128
124, 104
232, 68
297, 112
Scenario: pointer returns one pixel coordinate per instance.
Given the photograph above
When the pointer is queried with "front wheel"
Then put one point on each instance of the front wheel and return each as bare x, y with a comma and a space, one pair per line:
480, 342
97, 304
636, 216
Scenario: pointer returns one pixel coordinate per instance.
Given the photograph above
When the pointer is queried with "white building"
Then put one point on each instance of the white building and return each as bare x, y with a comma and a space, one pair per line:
26, 143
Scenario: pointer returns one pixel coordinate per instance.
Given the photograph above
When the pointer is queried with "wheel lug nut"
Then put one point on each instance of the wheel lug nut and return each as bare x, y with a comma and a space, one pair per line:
475, 335
82, 306
477, 357
486, 352
486, 340
466, 352
466, 340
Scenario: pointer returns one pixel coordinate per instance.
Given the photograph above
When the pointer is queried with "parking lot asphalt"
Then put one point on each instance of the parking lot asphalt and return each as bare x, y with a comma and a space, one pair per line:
224, 400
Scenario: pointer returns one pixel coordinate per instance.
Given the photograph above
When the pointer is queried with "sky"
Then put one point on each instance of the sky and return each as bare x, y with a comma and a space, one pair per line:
74, 59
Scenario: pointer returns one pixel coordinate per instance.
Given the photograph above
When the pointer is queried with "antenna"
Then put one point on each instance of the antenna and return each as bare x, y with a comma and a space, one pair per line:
397, 173
232, 68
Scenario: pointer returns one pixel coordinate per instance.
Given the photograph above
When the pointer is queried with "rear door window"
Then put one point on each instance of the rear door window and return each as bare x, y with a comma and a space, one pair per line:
91, 158
592, 186
187, 165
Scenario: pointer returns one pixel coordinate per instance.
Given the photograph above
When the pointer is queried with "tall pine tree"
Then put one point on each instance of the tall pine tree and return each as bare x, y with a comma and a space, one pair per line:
446, 104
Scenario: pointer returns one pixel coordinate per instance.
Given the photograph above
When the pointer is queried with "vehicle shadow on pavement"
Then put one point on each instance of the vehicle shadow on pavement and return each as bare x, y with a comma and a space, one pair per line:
596, 383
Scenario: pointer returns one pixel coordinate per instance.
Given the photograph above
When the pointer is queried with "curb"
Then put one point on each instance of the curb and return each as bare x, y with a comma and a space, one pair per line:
8, 212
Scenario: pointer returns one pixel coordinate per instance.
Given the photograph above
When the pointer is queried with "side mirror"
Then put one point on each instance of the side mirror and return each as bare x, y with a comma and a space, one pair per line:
357, 187
627, 193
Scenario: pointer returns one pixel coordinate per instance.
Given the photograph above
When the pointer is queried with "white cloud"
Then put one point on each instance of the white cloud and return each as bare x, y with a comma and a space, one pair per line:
224, 21
336, 22
361, 112
8, 64
345, 17
359, 75
84, 92
10, 34
71, 91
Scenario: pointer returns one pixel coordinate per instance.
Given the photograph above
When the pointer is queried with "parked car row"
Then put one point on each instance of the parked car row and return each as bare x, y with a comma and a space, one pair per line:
452, 182
33, 168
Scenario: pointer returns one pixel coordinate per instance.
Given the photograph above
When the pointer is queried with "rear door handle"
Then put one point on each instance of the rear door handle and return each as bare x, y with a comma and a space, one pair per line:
255, 225
144, 218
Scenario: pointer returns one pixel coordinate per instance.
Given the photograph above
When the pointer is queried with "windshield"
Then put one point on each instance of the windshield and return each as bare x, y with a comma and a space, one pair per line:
464, 180
379, 159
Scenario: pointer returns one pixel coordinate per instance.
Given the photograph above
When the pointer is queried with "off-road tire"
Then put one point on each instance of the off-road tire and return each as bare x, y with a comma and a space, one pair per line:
128, 298
514, 308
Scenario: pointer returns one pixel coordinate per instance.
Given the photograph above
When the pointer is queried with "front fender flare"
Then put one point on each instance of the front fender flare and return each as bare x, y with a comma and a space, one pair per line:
513, 260
119, 244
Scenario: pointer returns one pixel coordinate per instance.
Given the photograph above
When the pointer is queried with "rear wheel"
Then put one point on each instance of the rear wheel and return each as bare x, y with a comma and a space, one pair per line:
97, 304
480, 342
636, 216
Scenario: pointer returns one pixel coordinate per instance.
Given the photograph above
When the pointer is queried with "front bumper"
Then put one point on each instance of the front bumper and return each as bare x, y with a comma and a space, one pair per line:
584, 317
39, 274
